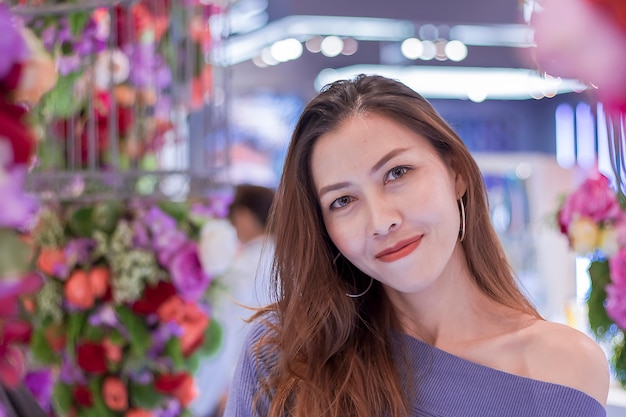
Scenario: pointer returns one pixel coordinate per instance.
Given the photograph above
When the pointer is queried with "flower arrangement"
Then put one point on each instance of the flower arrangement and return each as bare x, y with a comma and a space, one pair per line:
134, 67
125, 310
20, 87
594, 221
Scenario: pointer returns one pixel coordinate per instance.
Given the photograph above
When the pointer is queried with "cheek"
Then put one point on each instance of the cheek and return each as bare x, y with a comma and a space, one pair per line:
343, 236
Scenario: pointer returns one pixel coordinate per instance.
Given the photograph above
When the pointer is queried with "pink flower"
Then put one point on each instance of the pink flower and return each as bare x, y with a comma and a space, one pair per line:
593, 199
616, 303
617, 265
187, 274
577, 39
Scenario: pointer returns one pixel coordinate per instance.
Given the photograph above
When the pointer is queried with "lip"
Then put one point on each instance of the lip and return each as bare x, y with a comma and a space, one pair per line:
399, 250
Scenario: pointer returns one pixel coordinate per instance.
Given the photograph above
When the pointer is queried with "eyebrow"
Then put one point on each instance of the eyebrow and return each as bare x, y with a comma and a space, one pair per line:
387, 157
378, 165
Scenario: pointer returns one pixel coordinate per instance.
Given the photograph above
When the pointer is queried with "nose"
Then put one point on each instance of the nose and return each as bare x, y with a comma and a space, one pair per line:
384, 216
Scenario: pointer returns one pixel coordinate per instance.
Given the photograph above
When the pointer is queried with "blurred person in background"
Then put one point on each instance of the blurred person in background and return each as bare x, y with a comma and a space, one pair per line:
247, 282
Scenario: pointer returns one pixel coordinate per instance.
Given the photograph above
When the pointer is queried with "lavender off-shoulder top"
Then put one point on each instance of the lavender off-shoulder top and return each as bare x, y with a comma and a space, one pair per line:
445, 386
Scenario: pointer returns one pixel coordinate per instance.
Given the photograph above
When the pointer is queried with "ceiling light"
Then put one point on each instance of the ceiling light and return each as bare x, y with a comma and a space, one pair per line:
429, 52
456, 51
331, 46
412, 48
240, 48
461, 82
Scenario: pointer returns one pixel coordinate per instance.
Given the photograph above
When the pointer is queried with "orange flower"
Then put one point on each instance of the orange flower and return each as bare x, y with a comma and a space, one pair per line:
186, 392
99, 280
115, 394
179, 385
171, 309
112, 351
49, 259
194, 324
78, 290
188, 316
138, 412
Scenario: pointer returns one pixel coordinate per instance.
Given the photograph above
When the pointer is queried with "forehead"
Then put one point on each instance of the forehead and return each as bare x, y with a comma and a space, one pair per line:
359, 143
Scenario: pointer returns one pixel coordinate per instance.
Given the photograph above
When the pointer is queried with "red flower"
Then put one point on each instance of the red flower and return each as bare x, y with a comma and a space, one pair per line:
82, 395
91, 357
153, 297
180, 386
16, 132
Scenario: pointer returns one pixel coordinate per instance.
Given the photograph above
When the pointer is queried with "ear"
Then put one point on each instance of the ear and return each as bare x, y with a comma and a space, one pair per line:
460, 186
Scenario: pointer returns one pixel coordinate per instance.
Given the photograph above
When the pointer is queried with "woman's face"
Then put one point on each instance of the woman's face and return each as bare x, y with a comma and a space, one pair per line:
388, 201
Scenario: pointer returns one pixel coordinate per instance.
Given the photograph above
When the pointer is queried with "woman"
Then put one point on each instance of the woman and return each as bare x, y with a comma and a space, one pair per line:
395, 297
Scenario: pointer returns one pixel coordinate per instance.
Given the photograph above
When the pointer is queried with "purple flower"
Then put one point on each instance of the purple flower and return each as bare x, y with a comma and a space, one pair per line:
17, 208
148, 68
104, 316
142, 377
12, 46
187, 274
40, 384
77, 251
167, 245
3, 412
158, 221
161, 335
170, 409
68, 63
70, 373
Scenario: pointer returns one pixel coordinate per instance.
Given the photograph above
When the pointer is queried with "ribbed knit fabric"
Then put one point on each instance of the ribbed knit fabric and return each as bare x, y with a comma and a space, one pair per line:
444, 386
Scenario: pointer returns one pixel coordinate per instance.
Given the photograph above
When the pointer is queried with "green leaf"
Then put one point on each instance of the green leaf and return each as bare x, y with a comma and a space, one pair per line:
618, 362
40, 348
212, 338
75, 325
106, 215
93, 333
81, 221
178, 211
144, 396
139, 334
175, 352
61, 102
599, 321
77, 22
14, 254
62, 398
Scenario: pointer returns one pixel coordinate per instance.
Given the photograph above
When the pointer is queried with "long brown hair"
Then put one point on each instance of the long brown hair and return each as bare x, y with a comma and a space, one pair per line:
334, 352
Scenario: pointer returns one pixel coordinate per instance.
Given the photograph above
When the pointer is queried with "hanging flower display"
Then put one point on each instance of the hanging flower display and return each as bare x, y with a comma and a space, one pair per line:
594, 222
22, 84
124, 313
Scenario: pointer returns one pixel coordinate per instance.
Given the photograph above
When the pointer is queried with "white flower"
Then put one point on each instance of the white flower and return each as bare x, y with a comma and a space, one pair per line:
111, 66
217, 246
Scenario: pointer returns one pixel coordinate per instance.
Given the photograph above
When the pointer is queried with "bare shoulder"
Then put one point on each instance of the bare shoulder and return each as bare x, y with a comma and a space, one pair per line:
562, 355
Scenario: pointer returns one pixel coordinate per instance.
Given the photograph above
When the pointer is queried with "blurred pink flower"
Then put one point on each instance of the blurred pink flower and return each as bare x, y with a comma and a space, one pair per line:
576, 39
617, 265
187, 274
616, 304
593, 199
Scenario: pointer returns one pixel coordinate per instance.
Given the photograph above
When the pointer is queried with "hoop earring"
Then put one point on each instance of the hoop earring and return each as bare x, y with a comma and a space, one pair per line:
462, 231
361, 294
336, 257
